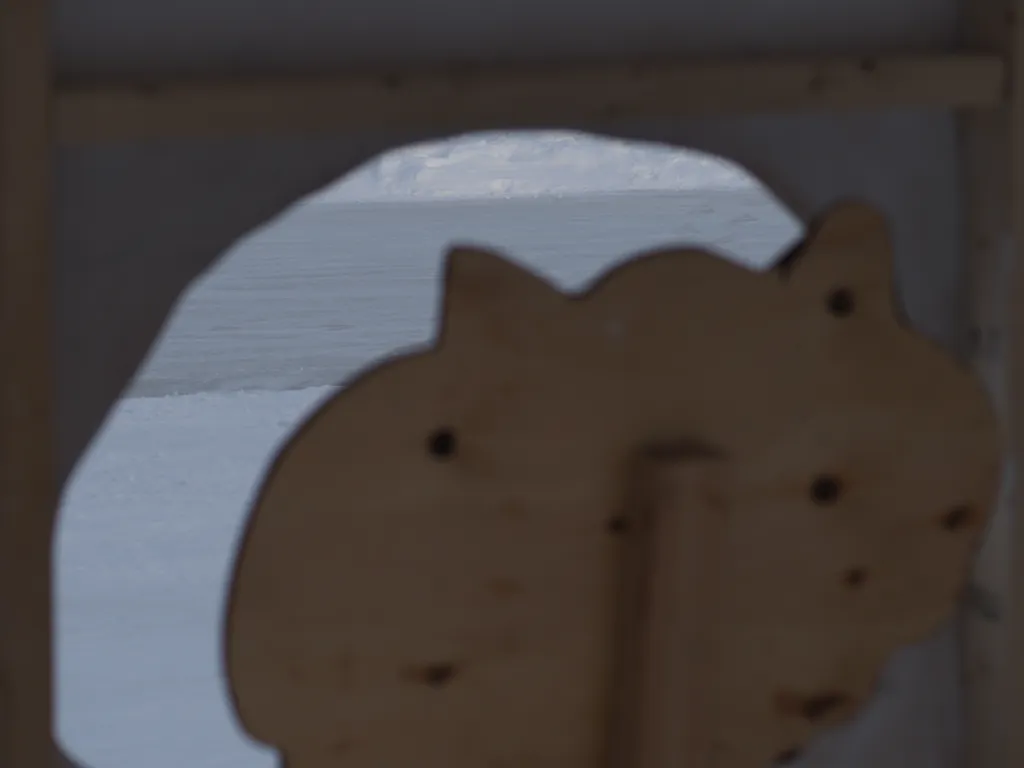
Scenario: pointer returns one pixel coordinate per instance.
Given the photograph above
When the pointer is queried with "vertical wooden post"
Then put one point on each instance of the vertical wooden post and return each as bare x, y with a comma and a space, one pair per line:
1014, 701
992, 145
664, 705
28, 494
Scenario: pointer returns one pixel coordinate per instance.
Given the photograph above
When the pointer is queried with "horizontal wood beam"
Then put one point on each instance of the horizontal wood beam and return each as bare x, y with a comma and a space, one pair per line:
478, 99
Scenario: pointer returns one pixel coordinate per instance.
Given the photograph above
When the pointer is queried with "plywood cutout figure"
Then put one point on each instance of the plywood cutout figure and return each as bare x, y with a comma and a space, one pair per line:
682, 518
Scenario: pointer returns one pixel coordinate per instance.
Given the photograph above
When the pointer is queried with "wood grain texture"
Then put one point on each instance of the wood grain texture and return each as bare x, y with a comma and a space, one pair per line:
525, 97
28, 488
994, 614
663, 705
432, 571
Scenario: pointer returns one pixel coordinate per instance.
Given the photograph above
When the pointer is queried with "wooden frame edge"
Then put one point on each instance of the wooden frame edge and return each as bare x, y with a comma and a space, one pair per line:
1014, 698
992, 150
28, 484
469, 99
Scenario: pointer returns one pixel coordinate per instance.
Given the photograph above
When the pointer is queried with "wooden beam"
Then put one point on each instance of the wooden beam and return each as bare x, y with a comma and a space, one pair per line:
663, 711
28, 494
1014, 694
475, 99
993, 174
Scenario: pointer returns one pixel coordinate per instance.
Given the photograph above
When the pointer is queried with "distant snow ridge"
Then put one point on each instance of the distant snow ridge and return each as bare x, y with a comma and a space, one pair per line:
499, 165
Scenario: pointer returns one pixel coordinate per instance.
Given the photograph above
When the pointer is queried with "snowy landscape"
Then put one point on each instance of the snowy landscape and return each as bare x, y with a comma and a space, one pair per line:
507, 165
153, 514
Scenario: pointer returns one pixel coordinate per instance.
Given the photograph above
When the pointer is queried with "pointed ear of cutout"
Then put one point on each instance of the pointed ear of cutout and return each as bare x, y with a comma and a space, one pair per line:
489, 299
845, 261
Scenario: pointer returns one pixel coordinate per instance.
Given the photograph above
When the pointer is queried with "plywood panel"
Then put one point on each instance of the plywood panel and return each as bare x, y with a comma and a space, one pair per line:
431, 570
153, 216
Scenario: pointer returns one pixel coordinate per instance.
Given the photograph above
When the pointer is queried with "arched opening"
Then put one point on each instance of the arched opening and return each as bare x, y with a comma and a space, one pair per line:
152, 516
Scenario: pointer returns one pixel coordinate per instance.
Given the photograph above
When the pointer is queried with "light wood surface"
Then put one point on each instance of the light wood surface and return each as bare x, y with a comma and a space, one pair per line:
664, 707
433, 569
